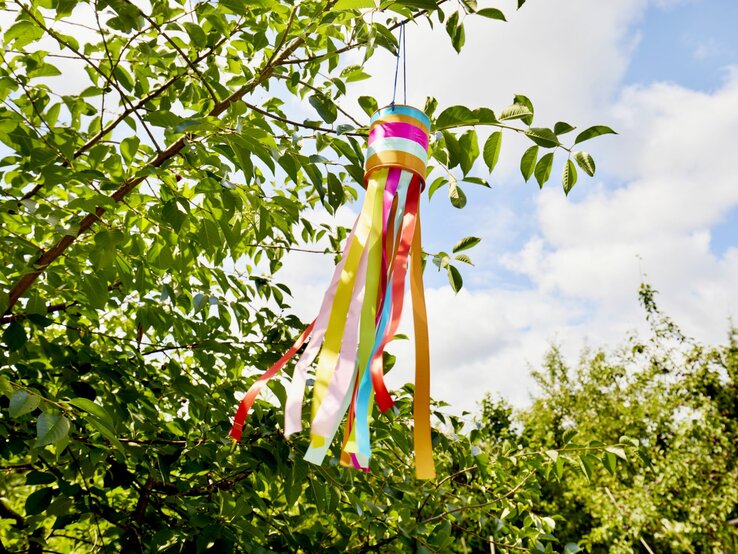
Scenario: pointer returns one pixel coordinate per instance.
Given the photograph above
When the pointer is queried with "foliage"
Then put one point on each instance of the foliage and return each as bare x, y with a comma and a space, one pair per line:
153, 176
676, 398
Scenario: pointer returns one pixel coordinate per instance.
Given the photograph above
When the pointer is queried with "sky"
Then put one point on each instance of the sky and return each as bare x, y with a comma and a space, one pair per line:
564, 270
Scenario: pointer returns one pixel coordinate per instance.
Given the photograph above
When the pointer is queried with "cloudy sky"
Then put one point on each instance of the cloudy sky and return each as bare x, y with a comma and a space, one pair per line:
552, 269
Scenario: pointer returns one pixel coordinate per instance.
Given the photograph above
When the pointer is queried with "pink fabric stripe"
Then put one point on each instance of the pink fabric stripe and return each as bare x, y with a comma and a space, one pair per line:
293, 407
325, 422
390, 189
400, 130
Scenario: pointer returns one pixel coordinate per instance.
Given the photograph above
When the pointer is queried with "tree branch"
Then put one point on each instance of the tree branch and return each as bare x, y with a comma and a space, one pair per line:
297, 124
509, 493
353, 45
174, 45
140, 104
25, 282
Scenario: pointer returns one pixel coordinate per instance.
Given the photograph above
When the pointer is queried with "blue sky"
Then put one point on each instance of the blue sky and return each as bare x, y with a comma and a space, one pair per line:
552, 269
689, 43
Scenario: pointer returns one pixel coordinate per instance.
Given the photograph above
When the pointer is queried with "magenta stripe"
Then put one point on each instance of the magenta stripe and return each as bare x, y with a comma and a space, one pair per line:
390, 189
401, 130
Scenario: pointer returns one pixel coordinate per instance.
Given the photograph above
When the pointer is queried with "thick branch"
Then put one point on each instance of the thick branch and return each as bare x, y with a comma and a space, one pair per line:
49, 310
7, 512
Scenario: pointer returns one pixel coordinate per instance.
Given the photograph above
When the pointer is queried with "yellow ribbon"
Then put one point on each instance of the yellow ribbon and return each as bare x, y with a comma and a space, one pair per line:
424, 466
337, 322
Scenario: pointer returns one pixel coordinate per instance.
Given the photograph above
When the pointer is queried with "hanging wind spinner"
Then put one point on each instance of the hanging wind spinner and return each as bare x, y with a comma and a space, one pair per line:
361, 309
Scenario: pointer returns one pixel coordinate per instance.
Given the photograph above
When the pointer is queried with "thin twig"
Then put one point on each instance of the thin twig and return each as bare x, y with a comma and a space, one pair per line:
298, 124
356, 44
440, 483
480, 505
174, 45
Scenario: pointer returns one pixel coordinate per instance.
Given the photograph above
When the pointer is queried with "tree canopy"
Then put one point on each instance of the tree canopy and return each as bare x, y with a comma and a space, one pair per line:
154, 174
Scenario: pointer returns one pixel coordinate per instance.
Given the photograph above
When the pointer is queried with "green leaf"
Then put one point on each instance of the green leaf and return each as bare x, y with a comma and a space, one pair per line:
324, 106
354, 73
435, 185
44, 70
610, 462
39, 478
51, 428
14, 336
528, 162
6, 389
593, 132
463, 258
515, 111
22, 33
568, 435
36, 305
586, 162
476, 181
542, 137
455, 116
108, 433
585, 463
455, 30
22, 403
469, 150
569, 177
441, 260
492, 13
456, 195
562, 127
465, 244
129, 147
491, 151
521, 100
95, 289
454, 278
353, 4
453, 146
485, 116
368, 104
335, 192
630, 441
38, 501
196, 34
543, 168
91, 408
430, 106
619, 452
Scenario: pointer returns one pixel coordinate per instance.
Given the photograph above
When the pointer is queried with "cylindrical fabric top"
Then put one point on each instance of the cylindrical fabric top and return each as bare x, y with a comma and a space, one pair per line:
398, 137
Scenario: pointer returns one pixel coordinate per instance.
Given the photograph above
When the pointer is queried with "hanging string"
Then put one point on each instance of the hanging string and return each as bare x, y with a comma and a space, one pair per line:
401, 49
404, 66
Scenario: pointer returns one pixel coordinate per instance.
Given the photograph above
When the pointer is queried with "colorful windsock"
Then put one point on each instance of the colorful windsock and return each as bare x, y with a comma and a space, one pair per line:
361, 309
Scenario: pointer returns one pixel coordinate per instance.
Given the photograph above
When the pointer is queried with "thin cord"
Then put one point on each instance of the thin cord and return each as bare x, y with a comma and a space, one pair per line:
401, 49
404, 66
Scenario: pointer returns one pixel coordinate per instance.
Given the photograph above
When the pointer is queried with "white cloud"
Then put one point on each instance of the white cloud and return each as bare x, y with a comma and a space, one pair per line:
667, 180
676, 150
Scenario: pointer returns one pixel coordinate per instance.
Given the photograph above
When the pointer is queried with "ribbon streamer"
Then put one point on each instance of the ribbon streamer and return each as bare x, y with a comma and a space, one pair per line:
361, 310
